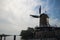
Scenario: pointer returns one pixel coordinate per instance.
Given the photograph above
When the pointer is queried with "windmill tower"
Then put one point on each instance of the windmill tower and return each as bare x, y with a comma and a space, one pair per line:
43, 19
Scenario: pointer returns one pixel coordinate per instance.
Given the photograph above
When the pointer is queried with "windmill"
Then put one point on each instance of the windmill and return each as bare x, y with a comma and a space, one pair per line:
43, 18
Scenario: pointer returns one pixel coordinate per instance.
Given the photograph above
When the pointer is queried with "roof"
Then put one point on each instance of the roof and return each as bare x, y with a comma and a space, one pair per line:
44, 15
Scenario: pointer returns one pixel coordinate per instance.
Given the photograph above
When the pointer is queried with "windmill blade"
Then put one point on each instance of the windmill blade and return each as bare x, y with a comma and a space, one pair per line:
35, 16
40, 10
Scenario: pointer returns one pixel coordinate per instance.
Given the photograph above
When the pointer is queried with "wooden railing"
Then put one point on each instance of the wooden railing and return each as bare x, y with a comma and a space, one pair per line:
3, 35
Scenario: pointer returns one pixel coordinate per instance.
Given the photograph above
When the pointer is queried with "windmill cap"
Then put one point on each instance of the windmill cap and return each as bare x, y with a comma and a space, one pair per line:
44, 15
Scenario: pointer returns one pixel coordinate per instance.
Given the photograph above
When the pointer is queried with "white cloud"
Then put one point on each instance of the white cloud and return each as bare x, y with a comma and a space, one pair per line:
16, 13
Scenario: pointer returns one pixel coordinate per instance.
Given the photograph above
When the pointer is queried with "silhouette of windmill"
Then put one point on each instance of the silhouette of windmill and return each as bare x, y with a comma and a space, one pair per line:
44, 19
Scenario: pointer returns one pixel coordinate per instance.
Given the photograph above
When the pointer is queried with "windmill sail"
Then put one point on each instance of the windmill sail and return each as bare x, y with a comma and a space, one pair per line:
40, 10
35, 16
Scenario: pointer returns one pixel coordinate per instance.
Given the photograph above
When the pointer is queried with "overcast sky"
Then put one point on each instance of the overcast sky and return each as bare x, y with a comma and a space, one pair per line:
15, 14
